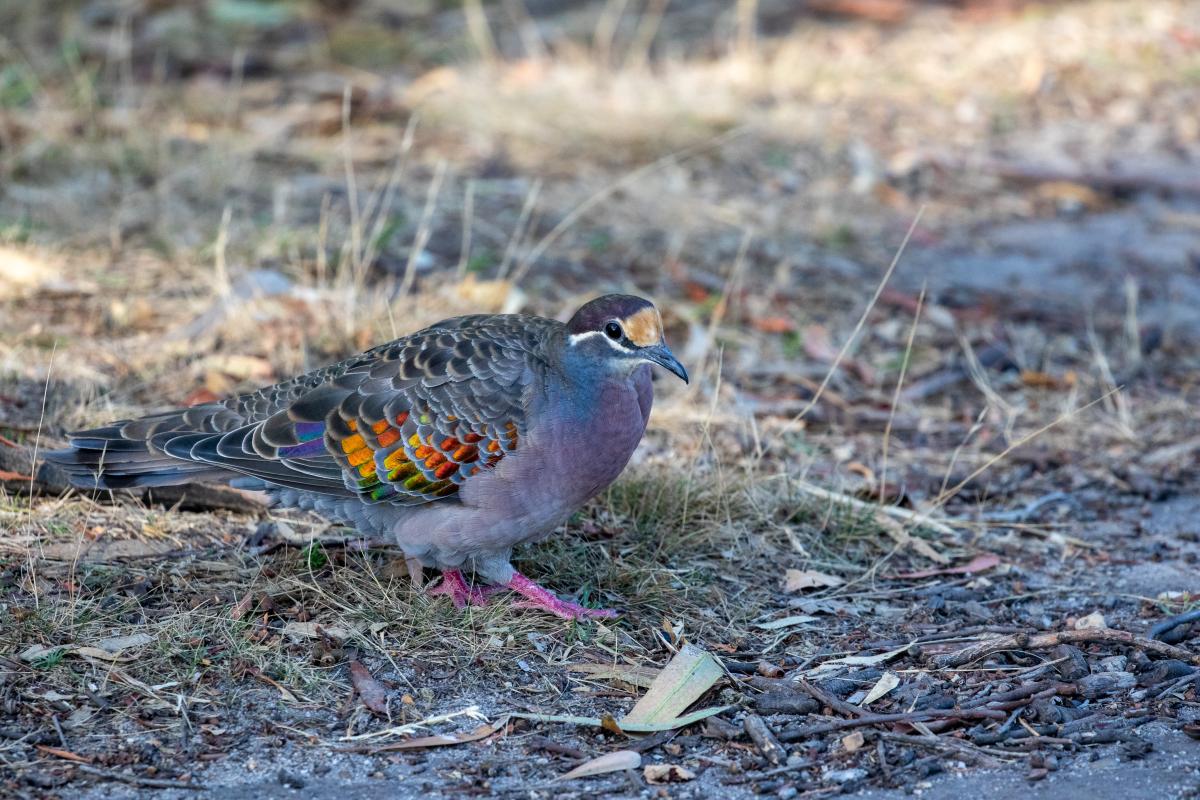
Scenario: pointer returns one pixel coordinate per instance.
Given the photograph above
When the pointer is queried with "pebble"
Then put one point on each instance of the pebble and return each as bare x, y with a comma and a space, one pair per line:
846, 775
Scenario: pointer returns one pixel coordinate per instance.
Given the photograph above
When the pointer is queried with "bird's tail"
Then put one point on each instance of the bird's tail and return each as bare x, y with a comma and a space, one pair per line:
123, 455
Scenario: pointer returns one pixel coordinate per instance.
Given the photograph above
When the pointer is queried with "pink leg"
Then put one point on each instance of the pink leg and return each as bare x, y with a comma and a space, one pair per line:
540, 597
456, 586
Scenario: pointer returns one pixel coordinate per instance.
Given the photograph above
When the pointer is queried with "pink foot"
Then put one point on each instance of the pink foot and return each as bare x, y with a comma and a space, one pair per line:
460, 592
542, 598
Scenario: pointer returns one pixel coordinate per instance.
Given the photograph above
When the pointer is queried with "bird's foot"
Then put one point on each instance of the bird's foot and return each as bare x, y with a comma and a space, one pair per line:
542, 598
462, 594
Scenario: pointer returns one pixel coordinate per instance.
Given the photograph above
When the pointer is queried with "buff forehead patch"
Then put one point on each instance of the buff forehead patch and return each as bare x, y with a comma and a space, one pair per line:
644, 328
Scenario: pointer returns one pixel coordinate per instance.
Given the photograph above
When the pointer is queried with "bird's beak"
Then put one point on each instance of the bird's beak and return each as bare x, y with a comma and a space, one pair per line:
661, 354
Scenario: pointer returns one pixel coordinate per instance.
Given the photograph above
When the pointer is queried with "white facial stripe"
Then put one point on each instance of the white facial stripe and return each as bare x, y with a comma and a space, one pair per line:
576, 338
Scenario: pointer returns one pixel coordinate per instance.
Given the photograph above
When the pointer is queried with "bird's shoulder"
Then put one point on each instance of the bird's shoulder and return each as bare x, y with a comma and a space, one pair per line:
490, 350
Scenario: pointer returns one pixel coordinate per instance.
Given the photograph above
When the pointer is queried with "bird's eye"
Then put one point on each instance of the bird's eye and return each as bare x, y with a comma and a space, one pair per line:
613, 331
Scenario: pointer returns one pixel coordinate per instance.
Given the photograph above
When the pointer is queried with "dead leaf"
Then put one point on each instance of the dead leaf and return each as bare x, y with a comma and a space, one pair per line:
796, 580
78, 718
981, 562
853, 741
315, 630
688, 675
443, 739
616, 761
860, 661
64, 754
115, 644
639, 676
1092, 620
284, 692
887, 681
667, 773
103, 655
371, 691
786, 622
773, 324
241, 606
609, 723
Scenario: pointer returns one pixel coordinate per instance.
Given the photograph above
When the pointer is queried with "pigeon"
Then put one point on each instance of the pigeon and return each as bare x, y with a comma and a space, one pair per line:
459, 442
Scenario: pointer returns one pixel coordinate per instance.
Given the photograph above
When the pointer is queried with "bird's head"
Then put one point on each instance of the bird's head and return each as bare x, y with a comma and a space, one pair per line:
622, 330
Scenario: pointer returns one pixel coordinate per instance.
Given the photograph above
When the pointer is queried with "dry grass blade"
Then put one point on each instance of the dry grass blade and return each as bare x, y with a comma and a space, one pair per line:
890, 526
862, 320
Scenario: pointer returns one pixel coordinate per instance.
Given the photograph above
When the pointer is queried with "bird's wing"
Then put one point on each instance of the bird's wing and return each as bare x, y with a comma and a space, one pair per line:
408, 422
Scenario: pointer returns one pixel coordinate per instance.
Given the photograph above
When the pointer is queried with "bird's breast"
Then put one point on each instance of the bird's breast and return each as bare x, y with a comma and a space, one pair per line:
578, 444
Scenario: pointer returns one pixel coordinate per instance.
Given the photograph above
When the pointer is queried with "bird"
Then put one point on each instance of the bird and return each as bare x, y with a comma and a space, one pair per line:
459, 441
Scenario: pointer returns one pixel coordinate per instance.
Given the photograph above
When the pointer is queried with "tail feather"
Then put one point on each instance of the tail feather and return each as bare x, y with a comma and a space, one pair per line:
122, 455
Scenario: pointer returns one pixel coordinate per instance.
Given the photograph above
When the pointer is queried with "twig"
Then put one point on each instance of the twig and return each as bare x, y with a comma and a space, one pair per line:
806, 731
915, 518
821, 696
764, 740
137, 780
1020, 693
1170, 623
1112, 182
1044, 641
1179, 684
979, 755
771, 773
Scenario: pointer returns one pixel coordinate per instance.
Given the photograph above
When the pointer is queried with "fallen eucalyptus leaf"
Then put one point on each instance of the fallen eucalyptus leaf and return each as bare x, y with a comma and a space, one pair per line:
609, 762
642, 677
688, 675
786, 622
796, 580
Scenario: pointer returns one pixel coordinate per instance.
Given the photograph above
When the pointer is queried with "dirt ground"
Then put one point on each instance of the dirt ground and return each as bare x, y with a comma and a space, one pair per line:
929, 502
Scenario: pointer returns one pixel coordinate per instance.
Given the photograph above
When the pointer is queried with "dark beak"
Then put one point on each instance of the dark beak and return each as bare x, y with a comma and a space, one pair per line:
661, 354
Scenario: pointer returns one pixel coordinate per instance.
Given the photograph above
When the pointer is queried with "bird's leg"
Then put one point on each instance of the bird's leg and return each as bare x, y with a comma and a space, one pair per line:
544, 599
460, 592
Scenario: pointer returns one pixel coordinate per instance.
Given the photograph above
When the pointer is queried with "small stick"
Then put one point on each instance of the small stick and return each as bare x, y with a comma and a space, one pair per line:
903, 514
1045, 641
979, 755
764, 740
771, 773
137, 780
1170, 623
58, 729
821, 696
1019, 693
550, 746
806, 731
